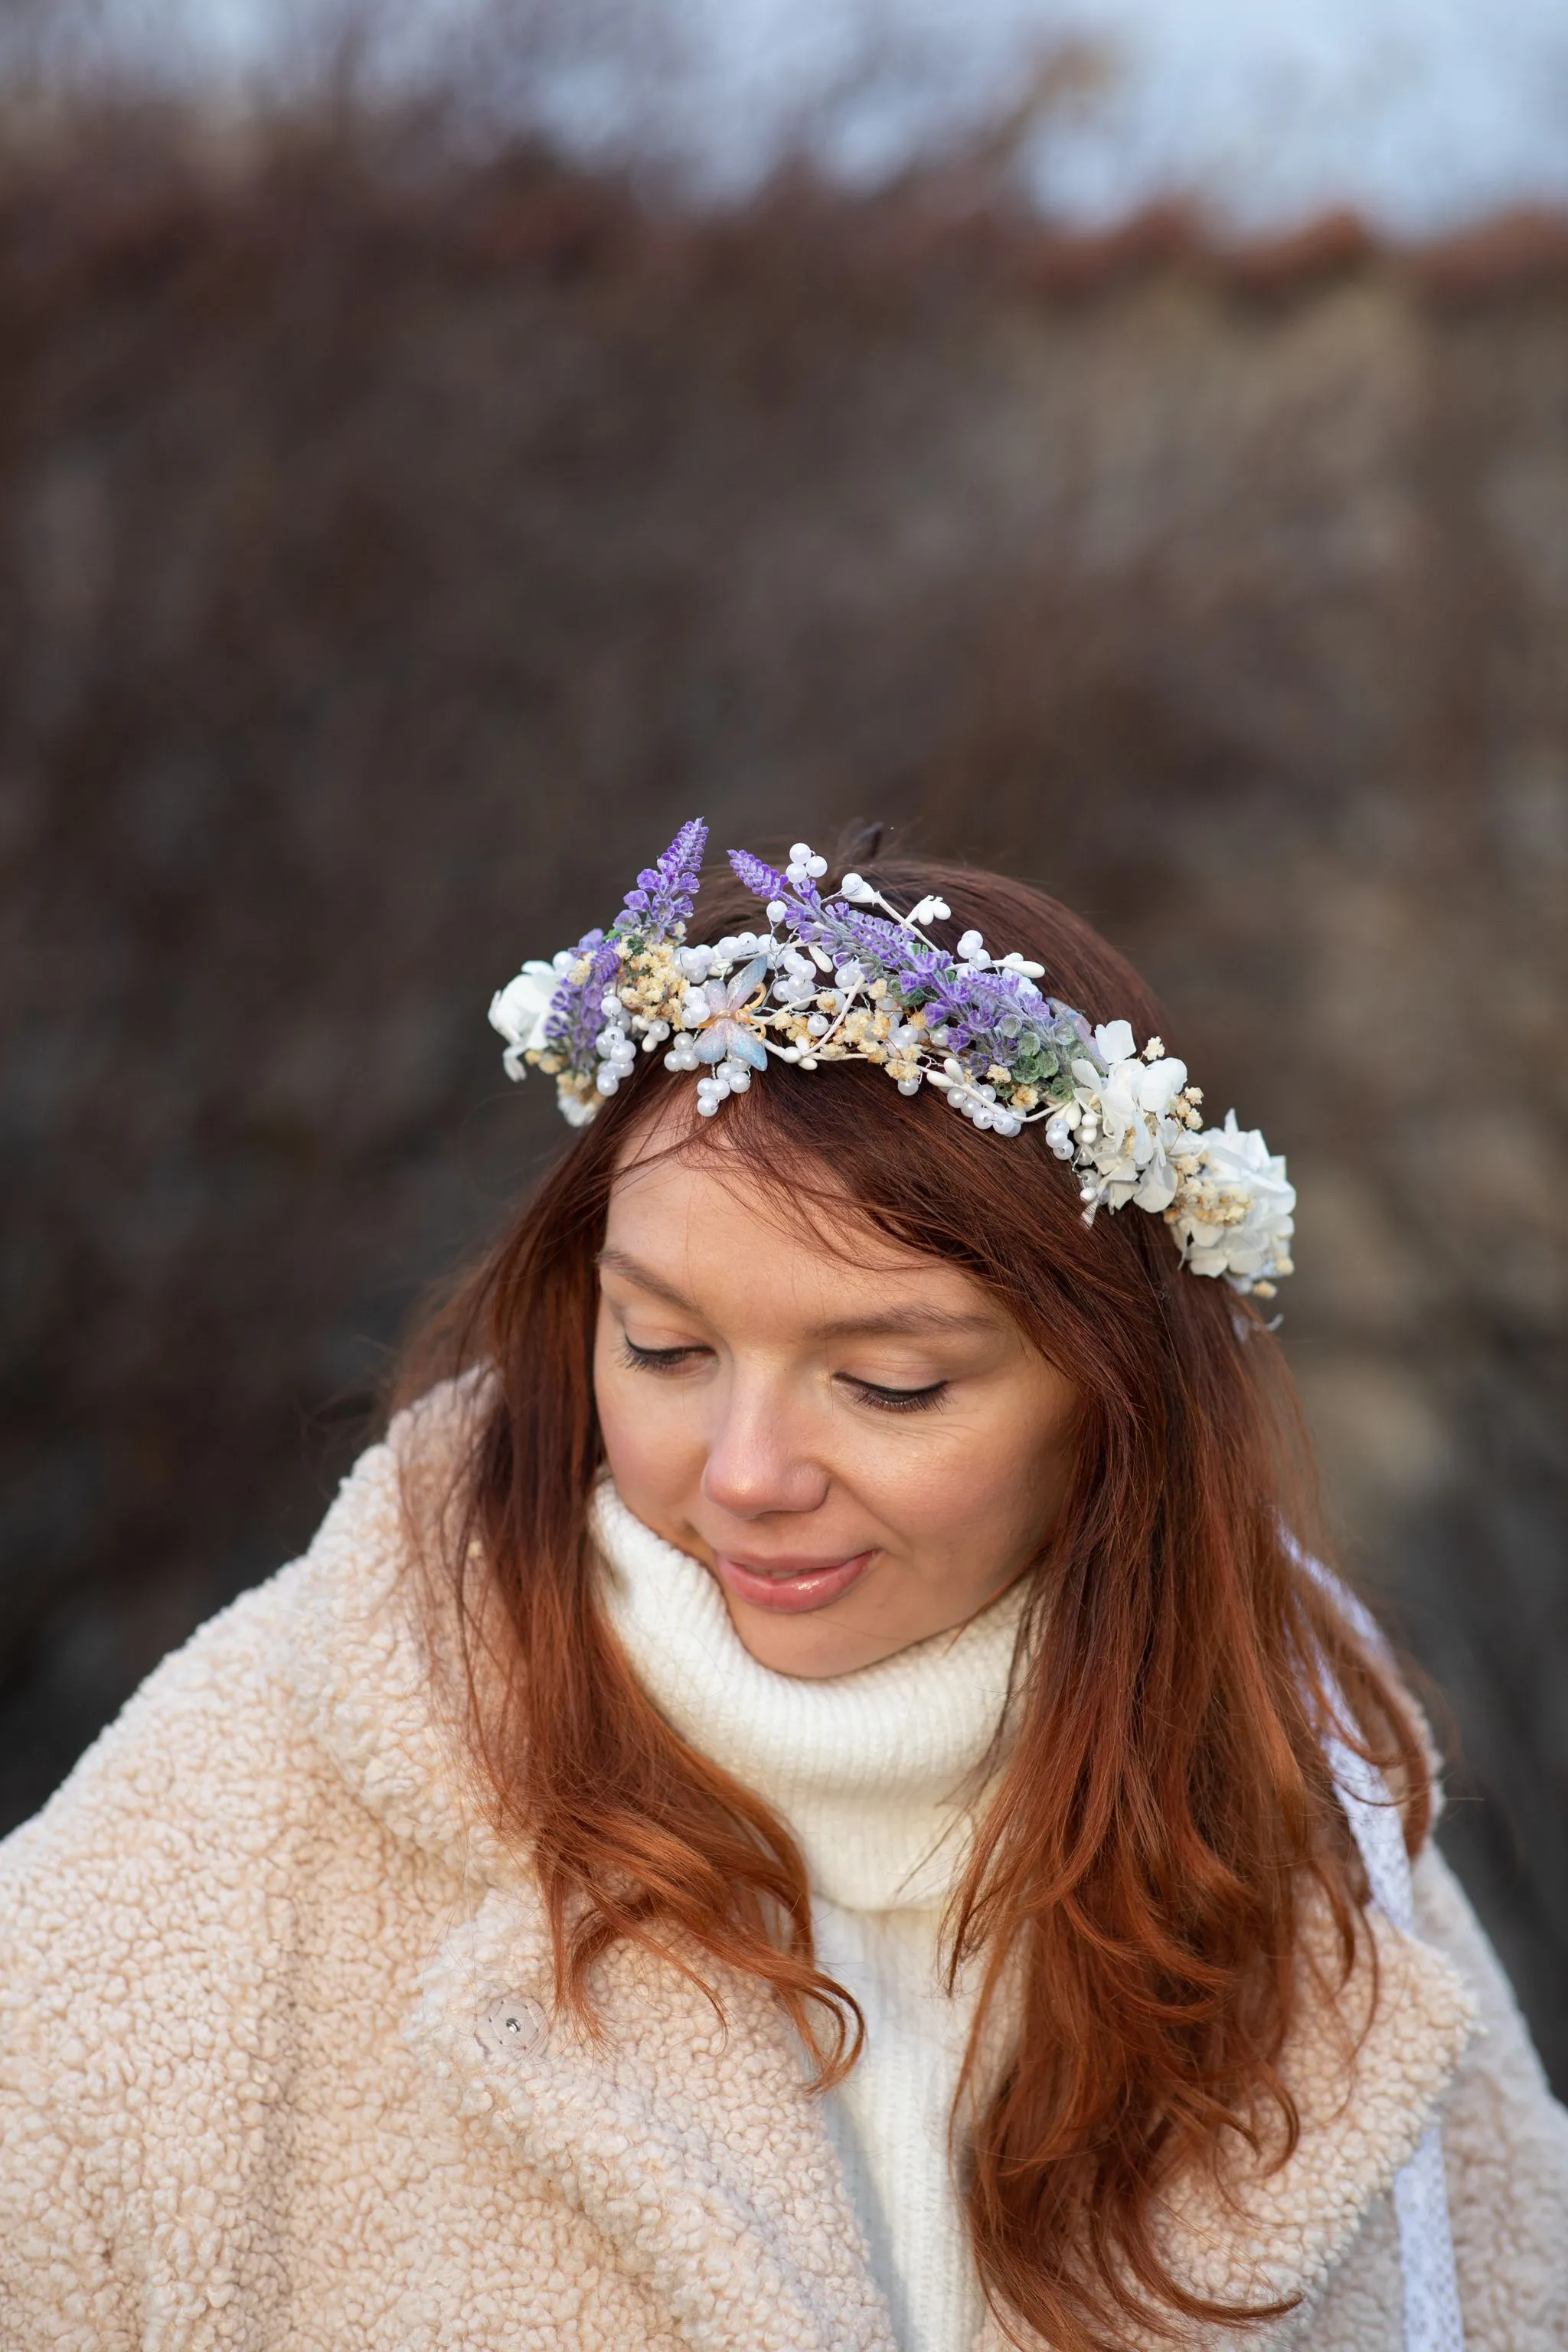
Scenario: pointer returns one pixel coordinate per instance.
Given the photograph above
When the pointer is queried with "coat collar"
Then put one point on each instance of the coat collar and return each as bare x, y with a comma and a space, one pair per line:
1367, 2064
701, 2154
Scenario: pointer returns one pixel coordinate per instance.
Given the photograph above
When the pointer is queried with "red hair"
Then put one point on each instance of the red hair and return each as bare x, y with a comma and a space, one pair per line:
1138, 1879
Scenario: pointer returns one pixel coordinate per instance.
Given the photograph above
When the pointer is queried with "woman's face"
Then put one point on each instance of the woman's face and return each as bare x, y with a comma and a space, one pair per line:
855, 1441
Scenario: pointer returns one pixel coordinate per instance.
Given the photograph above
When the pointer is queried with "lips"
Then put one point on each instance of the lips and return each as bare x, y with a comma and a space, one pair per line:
791, 1585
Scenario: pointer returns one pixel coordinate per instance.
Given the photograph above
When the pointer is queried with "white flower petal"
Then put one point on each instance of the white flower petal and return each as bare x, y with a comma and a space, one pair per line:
1160, 1083
518, 1010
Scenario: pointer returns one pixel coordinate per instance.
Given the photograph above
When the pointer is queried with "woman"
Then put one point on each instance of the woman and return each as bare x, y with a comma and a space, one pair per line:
814, 1793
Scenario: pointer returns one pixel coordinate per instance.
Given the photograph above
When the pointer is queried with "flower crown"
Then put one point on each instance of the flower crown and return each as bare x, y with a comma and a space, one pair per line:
847, 977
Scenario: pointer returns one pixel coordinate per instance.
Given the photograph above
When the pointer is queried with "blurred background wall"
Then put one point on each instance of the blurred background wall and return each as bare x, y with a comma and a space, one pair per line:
403, 528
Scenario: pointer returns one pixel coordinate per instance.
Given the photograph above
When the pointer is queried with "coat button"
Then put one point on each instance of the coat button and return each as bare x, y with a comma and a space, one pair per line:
511, 2025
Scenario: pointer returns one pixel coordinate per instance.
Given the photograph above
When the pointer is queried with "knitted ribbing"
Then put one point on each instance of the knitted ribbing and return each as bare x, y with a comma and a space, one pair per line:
876, 1774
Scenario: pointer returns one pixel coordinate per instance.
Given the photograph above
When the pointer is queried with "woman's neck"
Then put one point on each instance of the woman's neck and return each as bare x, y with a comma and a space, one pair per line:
877, 1774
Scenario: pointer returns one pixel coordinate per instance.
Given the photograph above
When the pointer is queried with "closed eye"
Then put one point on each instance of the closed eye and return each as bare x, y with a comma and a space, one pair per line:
897, 1400
657, 1359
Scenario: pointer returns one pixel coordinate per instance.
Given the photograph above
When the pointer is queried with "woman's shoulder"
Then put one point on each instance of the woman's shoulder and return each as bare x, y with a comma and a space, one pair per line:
1502, 2082
255, 1745
221, 1892
211, 1731
144, 1917
1505, 2141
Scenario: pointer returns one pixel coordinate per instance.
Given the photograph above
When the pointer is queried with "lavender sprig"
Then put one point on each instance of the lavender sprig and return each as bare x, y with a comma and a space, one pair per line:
758, 875
656, 908
665, 892
575, 1016
830, 926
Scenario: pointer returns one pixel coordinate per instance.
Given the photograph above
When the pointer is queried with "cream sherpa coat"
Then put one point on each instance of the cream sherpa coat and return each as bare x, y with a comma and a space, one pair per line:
278, 2073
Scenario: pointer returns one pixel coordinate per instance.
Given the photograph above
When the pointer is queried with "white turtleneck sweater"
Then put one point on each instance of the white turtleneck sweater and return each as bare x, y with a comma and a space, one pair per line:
874, 1774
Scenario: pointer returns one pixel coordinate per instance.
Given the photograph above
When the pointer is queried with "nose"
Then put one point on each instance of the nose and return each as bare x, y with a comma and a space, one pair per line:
760, 1458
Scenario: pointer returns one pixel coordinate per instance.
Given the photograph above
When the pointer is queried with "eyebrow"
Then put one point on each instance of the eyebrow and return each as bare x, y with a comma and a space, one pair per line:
894, 1322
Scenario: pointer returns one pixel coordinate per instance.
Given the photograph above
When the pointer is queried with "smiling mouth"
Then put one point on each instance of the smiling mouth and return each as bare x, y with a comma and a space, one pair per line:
791, 1585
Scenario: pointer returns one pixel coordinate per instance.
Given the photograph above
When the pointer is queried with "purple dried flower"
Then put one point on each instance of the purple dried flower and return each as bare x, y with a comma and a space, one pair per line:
758, 875
665, 892
576, 1016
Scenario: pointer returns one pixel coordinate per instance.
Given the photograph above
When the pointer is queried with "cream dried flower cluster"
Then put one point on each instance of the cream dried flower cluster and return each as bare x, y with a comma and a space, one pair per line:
849, 977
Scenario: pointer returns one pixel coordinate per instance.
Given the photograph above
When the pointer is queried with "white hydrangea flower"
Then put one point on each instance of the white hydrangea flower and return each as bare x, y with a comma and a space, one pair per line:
1250, 1242
1125, 1131
520, 1010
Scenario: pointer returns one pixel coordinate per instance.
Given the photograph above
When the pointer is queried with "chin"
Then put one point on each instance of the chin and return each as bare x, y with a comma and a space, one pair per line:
818, 1646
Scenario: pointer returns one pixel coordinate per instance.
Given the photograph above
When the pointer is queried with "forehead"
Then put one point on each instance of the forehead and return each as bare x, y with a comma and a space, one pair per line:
708, 1228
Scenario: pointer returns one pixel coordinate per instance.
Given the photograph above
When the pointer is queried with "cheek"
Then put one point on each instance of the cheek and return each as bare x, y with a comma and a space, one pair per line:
650, 1433
1033, 1462
989, 1489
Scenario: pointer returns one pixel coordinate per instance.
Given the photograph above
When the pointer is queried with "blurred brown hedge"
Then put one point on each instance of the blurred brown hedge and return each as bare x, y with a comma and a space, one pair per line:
390, 559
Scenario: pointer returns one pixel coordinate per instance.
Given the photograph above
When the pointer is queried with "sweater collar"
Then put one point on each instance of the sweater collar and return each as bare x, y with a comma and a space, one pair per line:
878, 1773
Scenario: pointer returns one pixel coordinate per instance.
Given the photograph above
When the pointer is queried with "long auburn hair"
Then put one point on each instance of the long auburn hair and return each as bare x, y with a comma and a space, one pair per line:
1134, 1896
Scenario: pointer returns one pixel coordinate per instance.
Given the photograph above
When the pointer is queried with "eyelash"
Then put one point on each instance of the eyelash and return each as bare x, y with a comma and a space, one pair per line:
899, 1400
653, 1360
670, 1359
